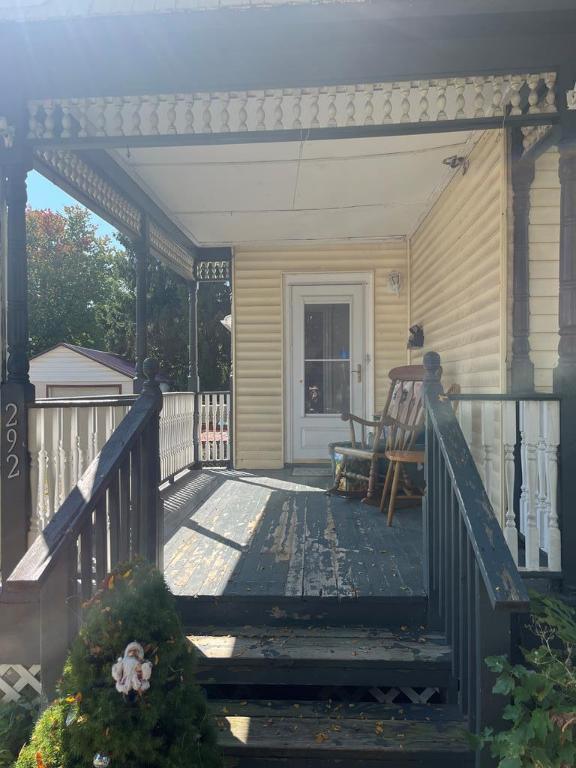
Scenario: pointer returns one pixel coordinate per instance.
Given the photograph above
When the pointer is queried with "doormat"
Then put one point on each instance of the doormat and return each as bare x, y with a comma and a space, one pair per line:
312, 472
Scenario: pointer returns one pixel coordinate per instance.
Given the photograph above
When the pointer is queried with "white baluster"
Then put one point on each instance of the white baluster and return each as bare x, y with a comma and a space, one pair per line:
441, 100
460, 85
242, 112
260, 114
487, 439
279, 112
297, 110
66, 120
405, 105
509, 437
387, 108
533, 98
332, 122
49, 122
135, 118
154, 117
424, 104
369, 106
528, 447
552, 438
171, 114
100, 105
550, 98
479, 96
34, 448
225, 114
118, 117
351, 107
497, 95
189, 115
314, 110
515, 98
82, 106
542, 493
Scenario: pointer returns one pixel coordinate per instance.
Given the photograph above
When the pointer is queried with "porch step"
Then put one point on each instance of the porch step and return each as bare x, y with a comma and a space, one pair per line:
365, 610
337, 656
301, 734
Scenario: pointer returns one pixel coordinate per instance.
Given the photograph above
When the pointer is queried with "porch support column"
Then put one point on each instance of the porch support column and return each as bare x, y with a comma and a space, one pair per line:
17, 391
193, 377
565, 372
522, 368
142, 251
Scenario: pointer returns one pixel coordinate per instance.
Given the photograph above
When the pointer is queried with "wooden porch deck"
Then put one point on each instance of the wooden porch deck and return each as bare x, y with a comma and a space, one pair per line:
278, 534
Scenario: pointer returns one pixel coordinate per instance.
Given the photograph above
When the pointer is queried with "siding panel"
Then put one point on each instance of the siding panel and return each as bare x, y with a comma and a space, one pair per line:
258, 334
457, 272
544, 255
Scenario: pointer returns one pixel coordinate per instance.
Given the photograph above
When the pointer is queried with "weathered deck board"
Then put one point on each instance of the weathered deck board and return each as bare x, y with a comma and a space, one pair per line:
347, 737
271, 534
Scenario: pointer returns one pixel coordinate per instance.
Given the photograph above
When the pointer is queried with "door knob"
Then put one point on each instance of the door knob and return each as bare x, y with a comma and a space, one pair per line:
358, 372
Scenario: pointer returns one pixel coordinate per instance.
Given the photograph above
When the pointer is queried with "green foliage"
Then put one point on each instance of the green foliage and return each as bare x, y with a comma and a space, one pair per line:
16, 723
165, 727
542, 693
82, 290
167, 316
69, 278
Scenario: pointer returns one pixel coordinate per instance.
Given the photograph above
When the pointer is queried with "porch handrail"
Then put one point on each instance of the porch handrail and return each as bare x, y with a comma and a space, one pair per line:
473, 584
112, 514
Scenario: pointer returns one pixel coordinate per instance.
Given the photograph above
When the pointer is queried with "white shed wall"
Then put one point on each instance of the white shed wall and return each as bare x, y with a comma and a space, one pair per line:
62, 366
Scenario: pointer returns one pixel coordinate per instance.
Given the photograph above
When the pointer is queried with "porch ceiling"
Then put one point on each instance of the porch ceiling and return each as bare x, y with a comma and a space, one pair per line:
325, 191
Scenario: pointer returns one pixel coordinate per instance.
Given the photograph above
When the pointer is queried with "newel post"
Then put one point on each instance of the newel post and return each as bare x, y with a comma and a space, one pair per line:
432, 388
17, 392
152, 528
522, 367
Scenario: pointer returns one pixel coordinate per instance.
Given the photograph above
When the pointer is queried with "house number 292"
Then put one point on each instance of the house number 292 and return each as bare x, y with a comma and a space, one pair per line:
11, 439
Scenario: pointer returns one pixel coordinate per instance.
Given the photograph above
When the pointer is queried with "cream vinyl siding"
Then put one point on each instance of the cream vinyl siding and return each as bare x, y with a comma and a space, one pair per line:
61, 366
258, 334
544, 250
458, 272
458, 259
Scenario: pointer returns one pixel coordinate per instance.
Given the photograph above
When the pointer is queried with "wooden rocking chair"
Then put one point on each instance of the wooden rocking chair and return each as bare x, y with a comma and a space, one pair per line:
405, 389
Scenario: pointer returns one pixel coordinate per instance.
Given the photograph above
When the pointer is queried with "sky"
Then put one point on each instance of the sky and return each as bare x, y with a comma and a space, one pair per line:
43, 194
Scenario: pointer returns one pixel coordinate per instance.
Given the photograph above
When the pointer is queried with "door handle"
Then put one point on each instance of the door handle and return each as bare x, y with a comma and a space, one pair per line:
358, 372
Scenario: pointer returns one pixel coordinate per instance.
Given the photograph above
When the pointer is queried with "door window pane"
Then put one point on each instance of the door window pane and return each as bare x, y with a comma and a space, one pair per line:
326, 331
327, 386
326, 358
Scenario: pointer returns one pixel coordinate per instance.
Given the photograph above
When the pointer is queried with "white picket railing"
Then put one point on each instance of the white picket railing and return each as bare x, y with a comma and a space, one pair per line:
214, 428
515, 444
177, 451
66, 435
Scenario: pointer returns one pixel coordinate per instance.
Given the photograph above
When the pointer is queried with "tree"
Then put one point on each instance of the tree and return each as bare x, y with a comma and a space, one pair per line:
69, 278
167, 321
166, 726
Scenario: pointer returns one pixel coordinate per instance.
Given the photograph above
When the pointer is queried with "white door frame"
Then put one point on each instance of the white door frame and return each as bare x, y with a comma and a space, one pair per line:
365, 279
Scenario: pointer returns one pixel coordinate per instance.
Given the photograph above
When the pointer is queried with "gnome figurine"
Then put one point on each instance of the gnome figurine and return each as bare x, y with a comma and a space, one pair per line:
131, 672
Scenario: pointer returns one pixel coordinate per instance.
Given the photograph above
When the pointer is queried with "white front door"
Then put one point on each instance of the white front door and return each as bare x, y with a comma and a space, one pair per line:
327, 365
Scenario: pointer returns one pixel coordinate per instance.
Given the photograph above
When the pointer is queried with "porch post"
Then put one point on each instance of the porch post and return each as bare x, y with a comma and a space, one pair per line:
522, 368
17, 392
142, 250
193, 377
565, 372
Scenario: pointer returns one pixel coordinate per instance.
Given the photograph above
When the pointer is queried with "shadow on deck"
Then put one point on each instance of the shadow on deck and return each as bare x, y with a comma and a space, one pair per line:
274, 534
